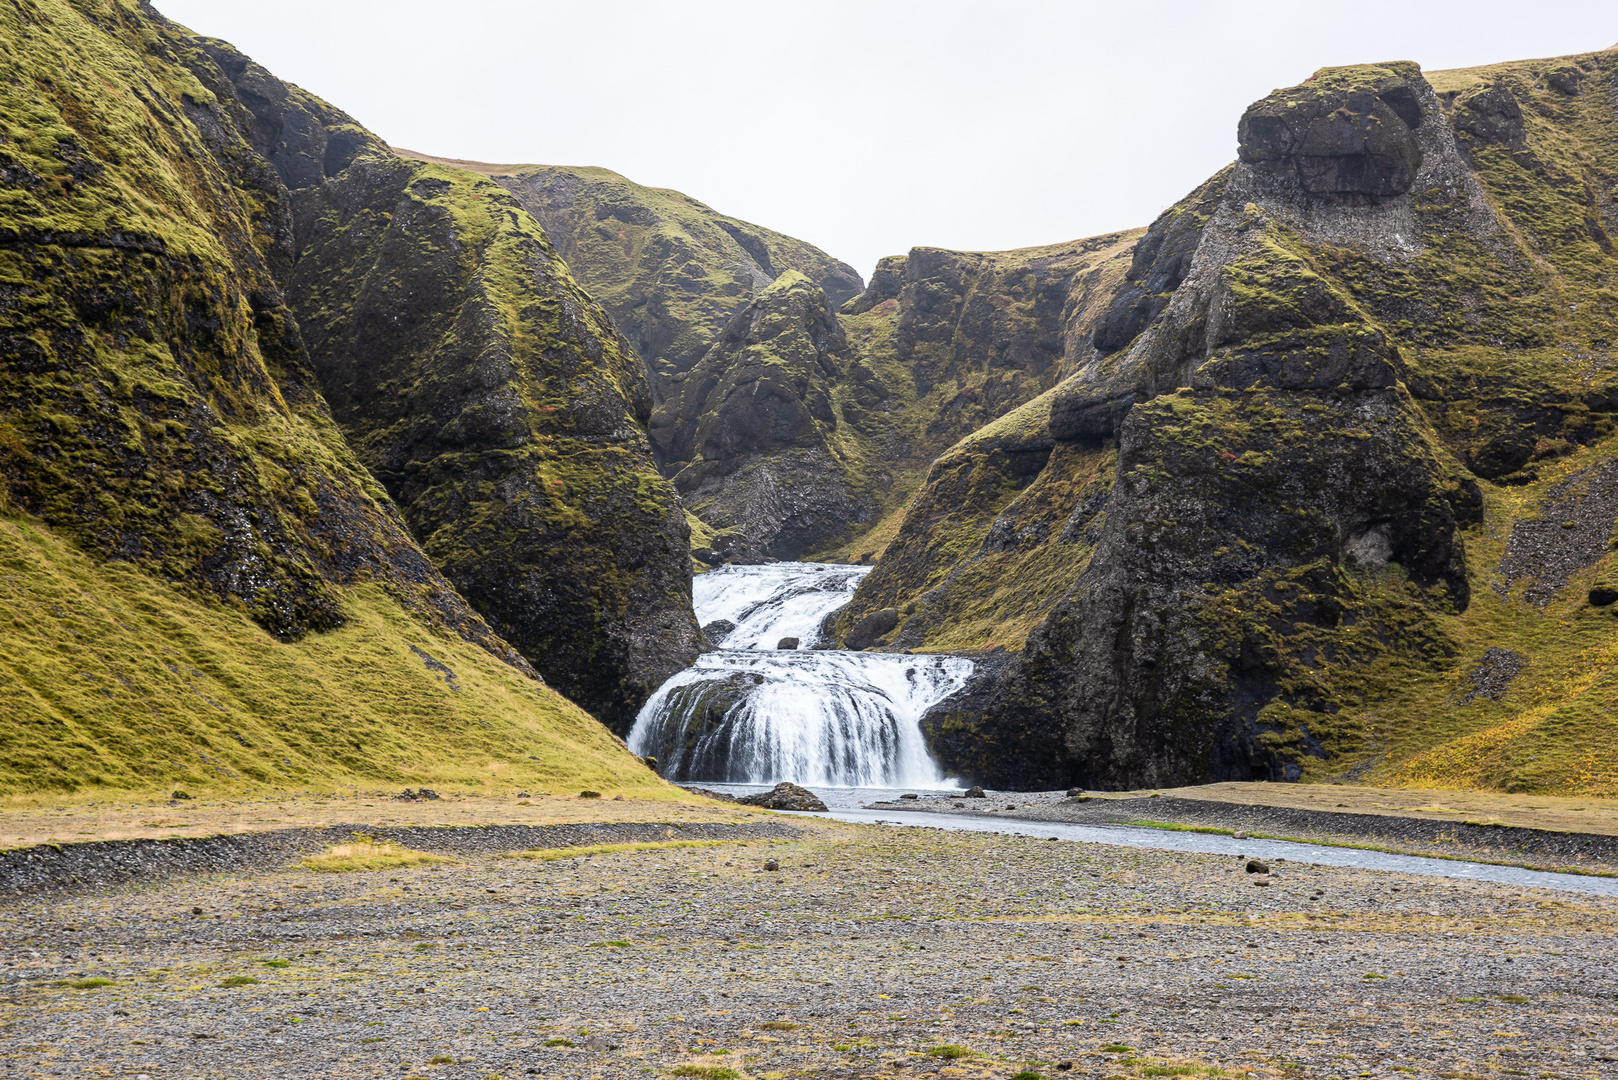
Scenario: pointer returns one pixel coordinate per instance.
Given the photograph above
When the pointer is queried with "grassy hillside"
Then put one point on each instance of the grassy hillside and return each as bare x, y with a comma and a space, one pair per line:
670, 270
113, 681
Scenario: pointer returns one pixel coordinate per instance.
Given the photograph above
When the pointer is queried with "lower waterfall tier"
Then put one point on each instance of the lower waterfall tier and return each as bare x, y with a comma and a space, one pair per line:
840, 719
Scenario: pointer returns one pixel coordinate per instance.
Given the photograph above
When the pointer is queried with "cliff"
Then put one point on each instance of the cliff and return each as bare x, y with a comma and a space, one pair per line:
204, 583
1284, 514
489, 394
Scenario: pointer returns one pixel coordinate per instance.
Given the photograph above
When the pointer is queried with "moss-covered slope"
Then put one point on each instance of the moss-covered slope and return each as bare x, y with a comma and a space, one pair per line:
194, 557
489, 394
671, 271
113, 680
1258, 525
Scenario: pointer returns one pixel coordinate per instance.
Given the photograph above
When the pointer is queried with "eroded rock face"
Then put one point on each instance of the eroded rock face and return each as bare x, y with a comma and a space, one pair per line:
752, 424
1347, 134
490, 396
671, 271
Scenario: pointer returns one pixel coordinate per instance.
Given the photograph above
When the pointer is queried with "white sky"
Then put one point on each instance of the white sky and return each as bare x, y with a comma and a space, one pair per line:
865, 127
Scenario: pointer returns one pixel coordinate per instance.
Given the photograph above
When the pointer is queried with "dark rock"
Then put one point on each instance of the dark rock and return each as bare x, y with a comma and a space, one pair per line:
785, 796
771, 865
587, 794
1075, 793
717, 795
1350, 138
871, 629
651, 762
1256, 867
746, 432
179, 795
910, 795
787, 643
974, 792
715, 632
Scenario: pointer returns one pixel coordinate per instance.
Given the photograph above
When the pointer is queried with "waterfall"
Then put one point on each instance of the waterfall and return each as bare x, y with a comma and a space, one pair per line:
750, 713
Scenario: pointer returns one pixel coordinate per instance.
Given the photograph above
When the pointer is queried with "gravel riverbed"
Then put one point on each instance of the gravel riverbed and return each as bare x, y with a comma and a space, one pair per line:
869, 952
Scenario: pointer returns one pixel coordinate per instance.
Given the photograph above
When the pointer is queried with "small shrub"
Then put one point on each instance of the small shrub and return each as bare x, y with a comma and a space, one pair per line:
1512, 999
559, 1042
366, 854
277, 963
949, 1052
87, 984
708, 1072
239, 980
1115, 1048
779, 1025
1028, 1074
440, 1059
1372, 975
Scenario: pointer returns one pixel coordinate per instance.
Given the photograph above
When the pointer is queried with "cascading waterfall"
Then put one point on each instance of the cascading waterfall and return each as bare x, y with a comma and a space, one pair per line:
751, 713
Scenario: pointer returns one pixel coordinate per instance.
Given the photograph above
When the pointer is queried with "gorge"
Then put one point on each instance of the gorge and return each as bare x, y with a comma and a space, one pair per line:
323, 461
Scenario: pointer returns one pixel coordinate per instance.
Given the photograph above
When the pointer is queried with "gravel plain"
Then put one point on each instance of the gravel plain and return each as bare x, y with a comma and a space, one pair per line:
870, 952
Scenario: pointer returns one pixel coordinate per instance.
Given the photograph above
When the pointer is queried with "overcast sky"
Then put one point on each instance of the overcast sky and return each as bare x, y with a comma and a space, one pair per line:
864, 127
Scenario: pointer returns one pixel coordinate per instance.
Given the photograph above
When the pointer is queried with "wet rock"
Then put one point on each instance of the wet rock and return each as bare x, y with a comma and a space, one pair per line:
785, 796
771, 865
910, 795
975, 792
1256, 867
869, 630
787, 643
716, 632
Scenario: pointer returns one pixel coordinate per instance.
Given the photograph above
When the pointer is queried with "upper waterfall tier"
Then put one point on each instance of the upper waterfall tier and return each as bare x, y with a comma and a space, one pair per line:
773, 601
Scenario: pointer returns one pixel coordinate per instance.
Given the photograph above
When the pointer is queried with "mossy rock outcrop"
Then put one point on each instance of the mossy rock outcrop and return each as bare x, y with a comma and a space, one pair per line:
671, 271
1258, 524
490, 395
205, 585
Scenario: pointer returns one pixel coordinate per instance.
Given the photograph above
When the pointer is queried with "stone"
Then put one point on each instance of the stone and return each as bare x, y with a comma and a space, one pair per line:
910, 795
771, 865
587, 794
717, 631
975, 792
1075, 793
651, 762
869, 630
786, 796
1238, 835
1262, 879
787, 643
1256, 867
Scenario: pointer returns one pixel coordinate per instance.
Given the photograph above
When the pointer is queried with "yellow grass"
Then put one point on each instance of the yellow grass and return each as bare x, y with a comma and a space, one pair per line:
364, 853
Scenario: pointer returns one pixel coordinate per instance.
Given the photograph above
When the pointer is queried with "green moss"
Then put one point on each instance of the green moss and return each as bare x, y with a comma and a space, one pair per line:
113, 681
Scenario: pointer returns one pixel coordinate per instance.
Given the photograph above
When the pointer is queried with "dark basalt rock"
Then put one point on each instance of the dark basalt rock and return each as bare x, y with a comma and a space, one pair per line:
1490, 116
785, 796
715, 632
1347, 135
869, 630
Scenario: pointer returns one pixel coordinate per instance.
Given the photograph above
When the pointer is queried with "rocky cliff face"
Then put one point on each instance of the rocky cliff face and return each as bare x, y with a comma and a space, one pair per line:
672, 272
1257, 493
168, 211
489, 394
172, 483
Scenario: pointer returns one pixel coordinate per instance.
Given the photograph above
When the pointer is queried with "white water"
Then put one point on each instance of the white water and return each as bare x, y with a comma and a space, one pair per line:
749, 713
774, 601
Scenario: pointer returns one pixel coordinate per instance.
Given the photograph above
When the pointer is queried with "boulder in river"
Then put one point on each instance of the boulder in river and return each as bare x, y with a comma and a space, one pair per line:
785, 796
717, 631
975, 792
787, 643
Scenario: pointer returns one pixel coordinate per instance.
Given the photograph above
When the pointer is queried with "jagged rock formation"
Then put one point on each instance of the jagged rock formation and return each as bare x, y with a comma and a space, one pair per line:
159, 408
801, 429
671, 271
489, 394
1256, 496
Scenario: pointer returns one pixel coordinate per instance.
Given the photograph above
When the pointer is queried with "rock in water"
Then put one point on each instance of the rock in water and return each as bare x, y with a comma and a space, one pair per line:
787, 643
785, 796
975, 792
715, 632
